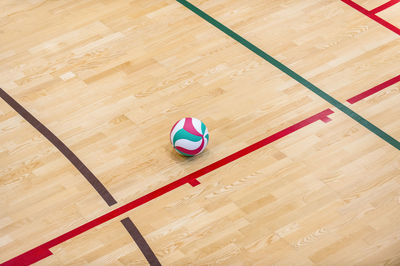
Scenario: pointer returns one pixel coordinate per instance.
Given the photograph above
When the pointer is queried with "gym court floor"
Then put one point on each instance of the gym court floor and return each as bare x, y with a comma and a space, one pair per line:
301, 99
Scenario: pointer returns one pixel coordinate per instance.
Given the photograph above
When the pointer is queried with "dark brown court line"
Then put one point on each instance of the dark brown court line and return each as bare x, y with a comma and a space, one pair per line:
90, 177
140, 241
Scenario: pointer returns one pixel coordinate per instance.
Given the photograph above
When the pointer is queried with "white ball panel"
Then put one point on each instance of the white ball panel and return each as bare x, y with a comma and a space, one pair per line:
177, 127
187, 144
197, 124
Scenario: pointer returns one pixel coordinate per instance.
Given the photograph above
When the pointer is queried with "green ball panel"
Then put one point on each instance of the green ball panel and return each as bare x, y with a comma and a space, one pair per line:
183, 134
203, 128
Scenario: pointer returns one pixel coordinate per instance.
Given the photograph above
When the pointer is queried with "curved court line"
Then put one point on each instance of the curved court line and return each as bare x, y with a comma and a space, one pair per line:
90, 177
38, 253
372, 16
362, 121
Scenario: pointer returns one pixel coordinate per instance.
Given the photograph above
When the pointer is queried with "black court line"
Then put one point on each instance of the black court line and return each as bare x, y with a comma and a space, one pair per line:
140, 241
90, 177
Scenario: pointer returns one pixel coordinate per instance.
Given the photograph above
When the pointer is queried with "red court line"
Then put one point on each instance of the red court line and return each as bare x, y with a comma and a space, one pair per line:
374, 90
38, 253
373, 16
384, 6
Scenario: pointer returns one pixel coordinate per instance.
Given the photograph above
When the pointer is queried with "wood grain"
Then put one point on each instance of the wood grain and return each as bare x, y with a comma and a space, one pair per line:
109, 78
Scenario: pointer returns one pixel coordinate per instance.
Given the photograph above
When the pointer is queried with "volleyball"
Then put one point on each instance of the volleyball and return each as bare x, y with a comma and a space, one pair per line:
189, 136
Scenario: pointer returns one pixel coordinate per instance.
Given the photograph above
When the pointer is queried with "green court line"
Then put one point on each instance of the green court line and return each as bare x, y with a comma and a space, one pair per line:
371, 127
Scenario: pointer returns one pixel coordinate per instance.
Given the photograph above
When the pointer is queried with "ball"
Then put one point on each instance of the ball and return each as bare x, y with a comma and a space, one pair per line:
189, 136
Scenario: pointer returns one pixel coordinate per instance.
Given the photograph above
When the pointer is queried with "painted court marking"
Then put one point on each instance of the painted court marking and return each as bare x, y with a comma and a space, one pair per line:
384, 6
374, 90
40, 252
90, 177
362, 121
79, 165
140, 241
372, 14
43, 251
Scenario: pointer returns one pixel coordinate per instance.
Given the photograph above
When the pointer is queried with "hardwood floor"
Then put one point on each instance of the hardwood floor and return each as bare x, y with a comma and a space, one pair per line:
110, 78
